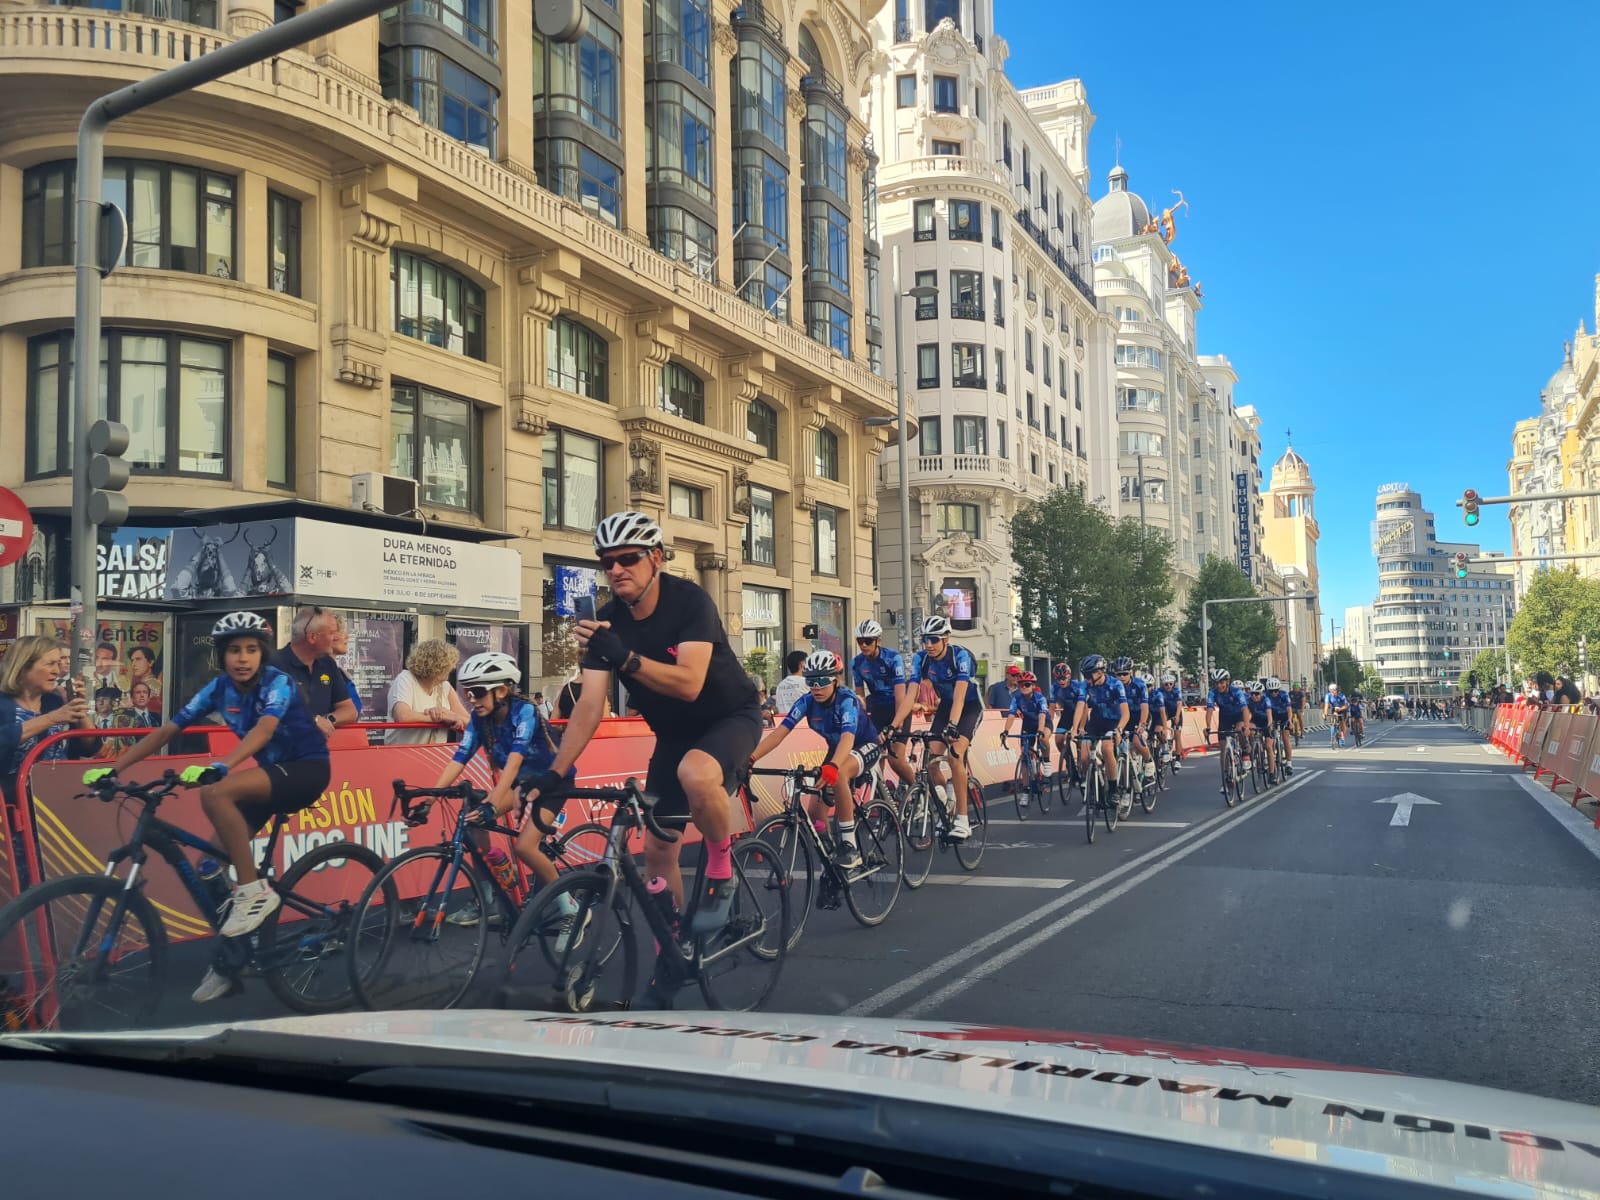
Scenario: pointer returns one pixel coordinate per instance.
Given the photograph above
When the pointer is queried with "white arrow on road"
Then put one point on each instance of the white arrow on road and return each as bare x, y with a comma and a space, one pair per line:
1403, 804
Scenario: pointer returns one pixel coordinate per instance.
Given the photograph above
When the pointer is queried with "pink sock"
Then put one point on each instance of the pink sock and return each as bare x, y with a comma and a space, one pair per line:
719, 859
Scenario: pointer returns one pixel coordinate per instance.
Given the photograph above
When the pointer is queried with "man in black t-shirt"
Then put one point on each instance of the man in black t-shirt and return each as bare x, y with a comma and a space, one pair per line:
663, 635
307, 660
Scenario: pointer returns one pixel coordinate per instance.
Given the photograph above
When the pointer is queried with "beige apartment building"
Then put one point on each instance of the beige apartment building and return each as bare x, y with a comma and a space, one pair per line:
646, 277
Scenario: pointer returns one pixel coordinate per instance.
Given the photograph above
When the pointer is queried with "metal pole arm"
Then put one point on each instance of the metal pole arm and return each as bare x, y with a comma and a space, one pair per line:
1537, 558
1574, 494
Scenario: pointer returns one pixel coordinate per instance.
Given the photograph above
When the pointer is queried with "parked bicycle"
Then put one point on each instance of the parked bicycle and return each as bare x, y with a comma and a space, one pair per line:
97, 951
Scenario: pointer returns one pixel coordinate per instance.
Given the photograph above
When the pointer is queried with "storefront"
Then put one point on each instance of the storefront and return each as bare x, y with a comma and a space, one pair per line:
765, 627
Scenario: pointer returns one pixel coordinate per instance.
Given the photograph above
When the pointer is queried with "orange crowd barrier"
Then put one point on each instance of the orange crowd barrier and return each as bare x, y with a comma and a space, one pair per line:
1556, 741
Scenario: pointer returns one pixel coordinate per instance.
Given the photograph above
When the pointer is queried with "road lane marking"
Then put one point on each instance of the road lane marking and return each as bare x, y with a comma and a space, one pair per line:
1006, 957
1135, 824
1225, 819
1571, 819
1013, 881
1403, 803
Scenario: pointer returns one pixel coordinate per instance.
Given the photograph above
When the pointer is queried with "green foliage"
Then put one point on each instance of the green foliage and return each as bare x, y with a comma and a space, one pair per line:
1372, 684
762, 665
1490, 666
1088, 584
1341, 667
1240, 633
1560, 607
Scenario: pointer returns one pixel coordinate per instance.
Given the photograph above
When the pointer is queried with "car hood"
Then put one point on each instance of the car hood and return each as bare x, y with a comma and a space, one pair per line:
1397, 1126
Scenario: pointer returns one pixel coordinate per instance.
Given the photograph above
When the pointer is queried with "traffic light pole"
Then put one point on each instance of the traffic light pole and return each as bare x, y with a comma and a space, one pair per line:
1574, 494
1205, 622
1537, 557
208, 68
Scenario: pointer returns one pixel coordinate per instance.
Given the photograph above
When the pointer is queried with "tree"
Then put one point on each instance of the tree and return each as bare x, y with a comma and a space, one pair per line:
1341, 667
1372, 683
1489, 666
1087, 584
1240, 633
1560, 607
762, 665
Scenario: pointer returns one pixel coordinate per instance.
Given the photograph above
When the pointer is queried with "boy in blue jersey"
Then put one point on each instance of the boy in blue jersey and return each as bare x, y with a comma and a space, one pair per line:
1169, 699
952, 671
880, 679
1138, 712
1102, 716
1278, 703
1227, 708
1260, 709
1337, 705
841, 720
1028, 702
1066, 693
265, 709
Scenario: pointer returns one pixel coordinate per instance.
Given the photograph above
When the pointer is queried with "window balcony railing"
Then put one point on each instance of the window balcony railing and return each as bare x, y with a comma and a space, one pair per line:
926, 235
970, 380
902, 31
965, 310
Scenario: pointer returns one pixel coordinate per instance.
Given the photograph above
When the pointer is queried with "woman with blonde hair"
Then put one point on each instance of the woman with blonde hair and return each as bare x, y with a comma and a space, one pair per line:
32, 707
422, 692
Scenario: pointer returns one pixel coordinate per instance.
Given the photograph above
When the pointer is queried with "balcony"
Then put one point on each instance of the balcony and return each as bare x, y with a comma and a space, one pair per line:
912, 169
970, 380
965, 310
942, 468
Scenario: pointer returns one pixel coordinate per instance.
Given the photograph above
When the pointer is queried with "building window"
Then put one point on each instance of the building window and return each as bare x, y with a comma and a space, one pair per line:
825, 539
1051, 472
1061, 377
1033, 464
996, 225
1000, 439
437, 440
445, 94
436, 305
970, 435
193, 12
760, 538
583, 77
573, 491
1138, 356
828, 246
584, 177
1000, 370
283, 244
1049, 423
577, 359
927, 308
999, 301
280, 421
1077, 390
928, 366
761, 92
1077, 434
678, 234
966, 221
922, 220
829, 324
761, 427
827, 459
825, 148
683, 393
171, 392
687, 502
946, 94
761, 198
966, 365
905, 91
179, 218
958, 518
947, 149
1153, 444
1141, 400
966, 295
1027, 350
1046, 365
682, 130
929, 441
679, 32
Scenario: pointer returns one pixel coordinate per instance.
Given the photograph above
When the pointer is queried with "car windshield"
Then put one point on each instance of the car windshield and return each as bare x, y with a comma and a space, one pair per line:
317, 700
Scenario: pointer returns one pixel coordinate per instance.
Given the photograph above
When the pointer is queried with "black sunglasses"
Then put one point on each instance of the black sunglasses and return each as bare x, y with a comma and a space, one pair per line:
818, 680
478, 693
866, 641
628, 559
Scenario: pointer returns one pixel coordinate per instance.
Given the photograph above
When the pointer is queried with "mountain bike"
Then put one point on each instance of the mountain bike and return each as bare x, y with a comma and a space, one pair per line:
807, 854
584, 955
96, 949
1098, 799
1027, 785
447, 899
927, 818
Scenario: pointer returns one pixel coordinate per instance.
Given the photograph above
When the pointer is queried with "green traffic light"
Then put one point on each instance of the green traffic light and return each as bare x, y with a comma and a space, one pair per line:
1472, 518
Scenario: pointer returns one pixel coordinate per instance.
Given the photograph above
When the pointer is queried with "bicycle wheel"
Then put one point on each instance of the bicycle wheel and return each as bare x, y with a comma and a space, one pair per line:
1021, 784
582, 846
431, 955
969, 853
575, 949
799, 861
872, 896
1043, 787
739, 965
1110, 808
917, 825
1149, 789
1091, 799
1230, 781
306, 945
97, 956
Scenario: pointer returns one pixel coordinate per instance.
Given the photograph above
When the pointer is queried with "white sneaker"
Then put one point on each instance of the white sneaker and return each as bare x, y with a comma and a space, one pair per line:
253, 903
1022, 800
572, 930
212, 987
960, 830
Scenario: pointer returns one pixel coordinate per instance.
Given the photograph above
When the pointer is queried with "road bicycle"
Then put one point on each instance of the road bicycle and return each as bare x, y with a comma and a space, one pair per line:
1130, 779
1066, 780
1166, 758
927, 818
449, 897
575, 948
1231, 759
1297, 725
1357, 731
1280, 755
1256, 762
1098, 799
96, 949
808, 854
1336, 732
1027, 785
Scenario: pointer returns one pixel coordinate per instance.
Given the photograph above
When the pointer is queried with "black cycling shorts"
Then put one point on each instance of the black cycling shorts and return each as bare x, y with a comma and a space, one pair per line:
730, 740
866, 756
295, 785
970, 714
882, 714
1098, 727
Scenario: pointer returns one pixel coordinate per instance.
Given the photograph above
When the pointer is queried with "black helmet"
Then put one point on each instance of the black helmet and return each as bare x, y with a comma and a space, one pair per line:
1091, 664
1123, 665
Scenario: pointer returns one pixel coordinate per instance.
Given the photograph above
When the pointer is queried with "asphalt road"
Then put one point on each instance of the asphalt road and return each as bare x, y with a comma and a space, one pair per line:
1464, 944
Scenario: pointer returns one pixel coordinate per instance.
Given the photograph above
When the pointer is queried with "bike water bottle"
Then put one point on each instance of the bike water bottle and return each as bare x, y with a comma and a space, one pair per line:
505, 871
214, 878
661, 897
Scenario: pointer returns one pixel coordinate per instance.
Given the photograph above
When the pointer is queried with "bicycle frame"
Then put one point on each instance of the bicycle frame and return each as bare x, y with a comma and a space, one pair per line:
865, 791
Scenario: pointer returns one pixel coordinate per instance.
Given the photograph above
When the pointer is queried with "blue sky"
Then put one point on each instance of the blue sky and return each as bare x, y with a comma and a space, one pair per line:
1394, 212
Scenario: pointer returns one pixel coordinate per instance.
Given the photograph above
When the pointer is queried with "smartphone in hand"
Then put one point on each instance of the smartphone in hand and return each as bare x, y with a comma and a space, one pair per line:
583, 607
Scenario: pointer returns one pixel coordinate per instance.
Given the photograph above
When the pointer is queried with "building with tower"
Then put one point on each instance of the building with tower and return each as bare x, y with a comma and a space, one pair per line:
1289, 535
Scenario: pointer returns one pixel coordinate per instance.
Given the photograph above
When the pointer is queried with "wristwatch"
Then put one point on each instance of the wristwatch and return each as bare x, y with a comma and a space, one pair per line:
633, 664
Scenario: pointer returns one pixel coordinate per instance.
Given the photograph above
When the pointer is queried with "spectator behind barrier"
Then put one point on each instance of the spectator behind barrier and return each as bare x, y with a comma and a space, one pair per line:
422, 692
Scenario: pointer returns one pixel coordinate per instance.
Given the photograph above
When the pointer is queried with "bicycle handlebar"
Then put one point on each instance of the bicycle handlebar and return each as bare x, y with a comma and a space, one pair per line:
418, 814
630, 795
107, 789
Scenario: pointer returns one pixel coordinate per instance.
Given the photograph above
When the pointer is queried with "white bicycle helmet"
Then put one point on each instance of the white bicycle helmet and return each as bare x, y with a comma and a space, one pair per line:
241, 624
1274, 684
869, 629
1220, 675
489, 670
822, 662
1147, 679
936, 626
1169, 677
1257, 688
627, 529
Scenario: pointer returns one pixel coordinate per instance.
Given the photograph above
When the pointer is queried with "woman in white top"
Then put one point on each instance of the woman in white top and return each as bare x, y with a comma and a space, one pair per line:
422, 692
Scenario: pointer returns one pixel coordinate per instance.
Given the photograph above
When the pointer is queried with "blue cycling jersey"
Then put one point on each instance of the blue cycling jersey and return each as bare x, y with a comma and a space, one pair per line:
1280, 703
1138, 697
957, 667
1355, 708
522, 732
1260, 708
832, 720
296, 738
1032, 707
1230, 704
1106, 700
1337, 701
879, 675
1170, 698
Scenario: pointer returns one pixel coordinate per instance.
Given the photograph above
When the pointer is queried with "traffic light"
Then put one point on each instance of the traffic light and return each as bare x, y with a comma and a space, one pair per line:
108, 473
1469, 501
1447, 652
1461, 566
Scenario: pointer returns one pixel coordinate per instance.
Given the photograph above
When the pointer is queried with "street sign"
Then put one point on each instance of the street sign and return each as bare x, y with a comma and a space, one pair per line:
113, 248
1403, 804
16, 527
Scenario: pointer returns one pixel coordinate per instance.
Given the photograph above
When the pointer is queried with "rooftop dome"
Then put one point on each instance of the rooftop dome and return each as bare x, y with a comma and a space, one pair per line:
1290, 470
1119, 213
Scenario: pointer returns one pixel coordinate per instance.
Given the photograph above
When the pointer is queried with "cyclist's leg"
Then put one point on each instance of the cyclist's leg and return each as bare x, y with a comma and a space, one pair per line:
221, 801
970, 713
705, 776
